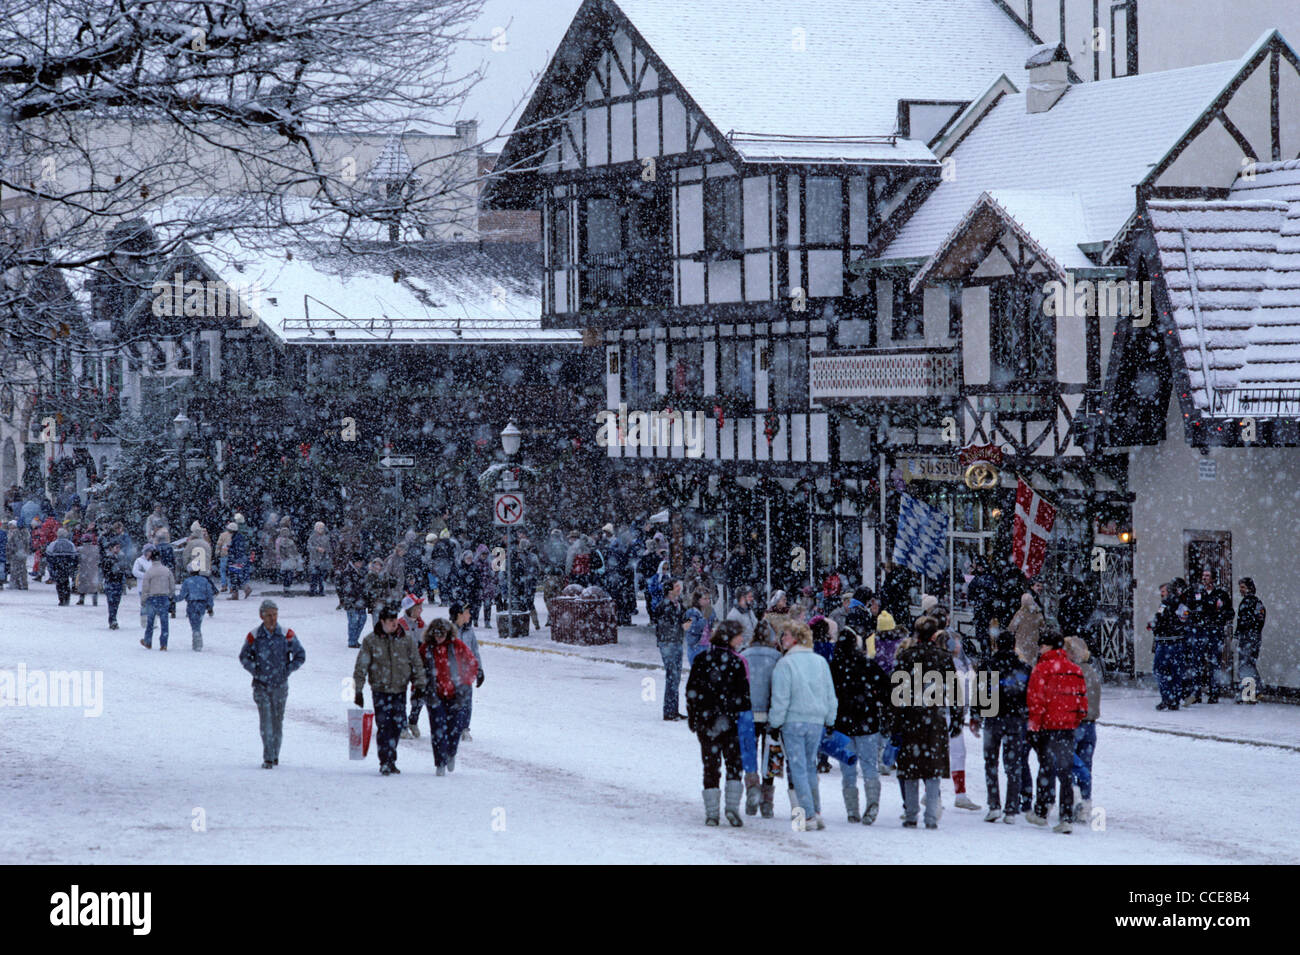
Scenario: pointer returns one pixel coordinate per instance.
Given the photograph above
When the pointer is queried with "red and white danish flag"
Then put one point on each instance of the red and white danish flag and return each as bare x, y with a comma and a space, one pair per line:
1032, 529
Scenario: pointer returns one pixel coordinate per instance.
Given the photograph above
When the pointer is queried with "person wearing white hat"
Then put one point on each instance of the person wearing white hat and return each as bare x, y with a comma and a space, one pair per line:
319, 561
223, 554
198, 593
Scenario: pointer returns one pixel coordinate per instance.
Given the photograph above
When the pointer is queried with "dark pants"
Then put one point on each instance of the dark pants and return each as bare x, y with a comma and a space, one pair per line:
317, 583
114, 594
287, 576
719, 749
270, 702
390, 716
447, 720
1168, 666
1008, 734
1055, 765
671, 653
62, 585
1026, 777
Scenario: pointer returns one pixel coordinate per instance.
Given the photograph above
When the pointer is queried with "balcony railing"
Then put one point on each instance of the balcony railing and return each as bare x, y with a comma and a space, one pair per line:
1257, 402
884, 373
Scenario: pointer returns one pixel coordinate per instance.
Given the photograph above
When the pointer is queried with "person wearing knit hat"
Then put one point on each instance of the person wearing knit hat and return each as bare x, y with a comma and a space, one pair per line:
271, 654
928, 603
410, 620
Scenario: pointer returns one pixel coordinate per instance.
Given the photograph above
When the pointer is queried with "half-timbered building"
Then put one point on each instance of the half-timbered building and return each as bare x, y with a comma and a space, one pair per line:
707, 175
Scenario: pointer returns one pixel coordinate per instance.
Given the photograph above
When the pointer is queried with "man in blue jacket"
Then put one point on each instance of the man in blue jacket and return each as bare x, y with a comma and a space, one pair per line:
271, 654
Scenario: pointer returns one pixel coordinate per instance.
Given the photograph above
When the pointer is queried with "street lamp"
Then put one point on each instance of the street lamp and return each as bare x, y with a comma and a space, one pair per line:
510, 436
181, 426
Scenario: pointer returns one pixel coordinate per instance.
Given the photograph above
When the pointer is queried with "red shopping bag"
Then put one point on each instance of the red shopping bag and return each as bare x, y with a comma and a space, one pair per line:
361, 723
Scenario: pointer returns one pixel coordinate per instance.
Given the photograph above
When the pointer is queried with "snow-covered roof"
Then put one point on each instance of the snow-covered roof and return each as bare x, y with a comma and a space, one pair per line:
1236, 303
829, 67
443, 293
393, 164
1100, 140
1048, 222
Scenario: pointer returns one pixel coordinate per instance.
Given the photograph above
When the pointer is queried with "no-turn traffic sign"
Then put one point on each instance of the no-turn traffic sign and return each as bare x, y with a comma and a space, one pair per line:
508, 508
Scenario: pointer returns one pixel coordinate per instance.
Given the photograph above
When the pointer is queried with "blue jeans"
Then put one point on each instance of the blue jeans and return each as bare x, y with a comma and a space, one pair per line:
158, 607
356, 623
868, 748
195, 611
317, 583
693, 648
1085, 744
270, 702
748, 742
1008, 734
800, 742
447, 720
672, 657
911, 800
224, 565
1168, 667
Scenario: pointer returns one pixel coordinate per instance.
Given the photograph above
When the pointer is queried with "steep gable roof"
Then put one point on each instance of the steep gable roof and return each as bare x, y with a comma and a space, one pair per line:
793, 80
1232, 270
1101, 140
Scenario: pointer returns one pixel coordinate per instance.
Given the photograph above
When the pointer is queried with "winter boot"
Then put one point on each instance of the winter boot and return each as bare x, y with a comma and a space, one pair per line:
406, 732
451, 764
993, 815
851, 804
965, 802
267, 764
868, 817
767, 804
442, 771
415, 729
734, 789
752, 794
816, 824
1035, 819
711, 800
1065, 828
197, 642
959, 783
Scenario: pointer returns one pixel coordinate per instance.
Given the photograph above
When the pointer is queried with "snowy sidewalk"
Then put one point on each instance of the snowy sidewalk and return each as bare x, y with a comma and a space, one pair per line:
1275, 725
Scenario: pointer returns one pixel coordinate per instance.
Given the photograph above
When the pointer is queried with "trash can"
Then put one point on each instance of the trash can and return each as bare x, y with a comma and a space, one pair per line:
584, 617
512, 623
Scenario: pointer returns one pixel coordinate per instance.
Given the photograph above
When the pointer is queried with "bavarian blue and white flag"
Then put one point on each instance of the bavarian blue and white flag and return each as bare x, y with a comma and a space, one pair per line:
922, 538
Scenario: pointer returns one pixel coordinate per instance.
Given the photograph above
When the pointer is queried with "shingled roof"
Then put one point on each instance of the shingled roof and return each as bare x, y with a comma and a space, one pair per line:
1232, 268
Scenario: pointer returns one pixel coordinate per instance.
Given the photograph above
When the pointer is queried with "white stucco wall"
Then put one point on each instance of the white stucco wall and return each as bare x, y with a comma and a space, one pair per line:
1256, 496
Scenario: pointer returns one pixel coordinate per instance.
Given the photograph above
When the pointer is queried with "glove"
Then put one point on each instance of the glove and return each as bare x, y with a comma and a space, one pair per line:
478, 681
360, 699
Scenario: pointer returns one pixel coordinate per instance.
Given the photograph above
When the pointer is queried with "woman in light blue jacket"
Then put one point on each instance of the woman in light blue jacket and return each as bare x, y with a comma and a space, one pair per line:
803, 705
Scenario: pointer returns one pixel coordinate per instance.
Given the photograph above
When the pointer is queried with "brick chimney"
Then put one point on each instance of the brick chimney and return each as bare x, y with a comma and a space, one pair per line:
1049, 76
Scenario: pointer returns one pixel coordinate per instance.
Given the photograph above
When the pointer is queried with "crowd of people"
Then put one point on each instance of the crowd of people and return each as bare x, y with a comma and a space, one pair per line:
790, 691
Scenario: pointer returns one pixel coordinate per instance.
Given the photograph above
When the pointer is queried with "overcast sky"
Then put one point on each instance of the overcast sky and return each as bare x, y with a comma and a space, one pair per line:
529, 31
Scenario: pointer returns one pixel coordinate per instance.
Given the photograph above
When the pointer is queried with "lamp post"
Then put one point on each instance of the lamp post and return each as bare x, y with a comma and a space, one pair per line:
181, 428
510, 436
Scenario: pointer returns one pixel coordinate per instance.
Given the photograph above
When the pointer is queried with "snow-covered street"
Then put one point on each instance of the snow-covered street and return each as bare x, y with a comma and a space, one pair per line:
570, 762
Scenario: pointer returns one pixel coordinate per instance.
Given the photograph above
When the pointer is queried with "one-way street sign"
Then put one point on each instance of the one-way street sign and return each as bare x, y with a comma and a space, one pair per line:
397, 461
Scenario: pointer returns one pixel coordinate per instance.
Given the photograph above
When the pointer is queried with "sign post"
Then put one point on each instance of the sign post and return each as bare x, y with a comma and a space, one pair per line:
508, 512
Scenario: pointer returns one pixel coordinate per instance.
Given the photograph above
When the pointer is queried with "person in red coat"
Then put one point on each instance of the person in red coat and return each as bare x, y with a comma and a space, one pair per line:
1058, 700
43, 535
452, 669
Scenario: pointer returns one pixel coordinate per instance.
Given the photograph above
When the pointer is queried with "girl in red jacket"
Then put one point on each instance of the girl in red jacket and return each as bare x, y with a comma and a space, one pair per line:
452, 670
1057, 700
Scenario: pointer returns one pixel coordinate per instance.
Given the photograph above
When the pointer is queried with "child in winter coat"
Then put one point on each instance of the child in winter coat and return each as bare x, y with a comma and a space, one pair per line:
411, 621
198, 594
1085, 737
702, 620
459, 616
959, 708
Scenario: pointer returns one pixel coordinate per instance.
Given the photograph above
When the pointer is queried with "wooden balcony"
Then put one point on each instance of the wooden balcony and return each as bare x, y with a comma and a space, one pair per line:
885, 374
